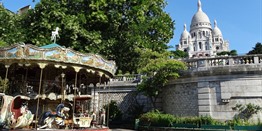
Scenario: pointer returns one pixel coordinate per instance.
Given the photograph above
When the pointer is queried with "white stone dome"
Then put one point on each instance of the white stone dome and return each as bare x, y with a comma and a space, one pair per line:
200, 19
185, 34
216, 30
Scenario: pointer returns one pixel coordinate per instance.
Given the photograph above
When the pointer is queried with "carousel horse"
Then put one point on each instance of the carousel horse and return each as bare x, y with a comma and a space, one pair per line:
50, 120
55, 34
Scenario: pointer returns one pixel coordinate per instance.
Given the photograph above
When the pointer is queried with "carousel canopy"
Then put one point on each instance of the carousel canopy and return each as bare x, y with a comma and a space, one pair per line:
53, 45
57, 55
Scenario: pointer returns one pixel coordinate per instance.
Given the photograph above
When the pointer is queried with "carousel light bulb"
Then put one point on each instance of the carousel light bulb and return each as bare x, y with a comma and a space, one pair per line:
57, 66
63, 67
63, 75
27, 64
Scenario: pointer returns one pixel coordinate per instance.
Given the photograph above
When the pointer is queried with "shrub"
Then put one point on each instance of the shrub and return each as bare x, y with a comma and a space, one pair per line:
208, 120
156, 118
114, 112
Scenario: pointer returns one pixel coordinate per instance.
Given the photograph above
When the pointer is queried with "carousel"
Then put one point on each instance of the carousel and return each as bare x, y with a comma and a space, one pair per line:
49, 87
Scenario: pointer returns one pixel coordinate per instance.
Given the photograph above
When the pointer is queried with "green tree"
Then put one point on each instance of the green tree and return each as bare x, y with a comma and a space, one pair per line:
179, 54
233, 52
10, 32
158, 69
112, 28
257, 49
230, 53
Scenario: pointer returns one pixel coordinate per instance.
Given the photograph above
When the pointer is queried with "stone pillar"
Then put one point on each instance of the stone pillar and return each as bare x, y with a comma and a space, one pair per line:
256, 60
231, 61
204, 102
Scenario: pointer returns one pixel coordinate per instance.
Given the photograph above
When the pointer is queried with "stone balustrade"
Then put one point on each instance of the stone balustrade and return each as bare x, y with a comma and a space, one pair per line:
196, 63
126, 78
204, 64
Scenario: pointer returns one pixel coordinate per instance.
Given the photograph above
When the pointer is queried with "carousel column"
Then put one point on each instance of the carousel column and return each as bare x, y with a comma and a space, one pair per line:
93, 93
103, 111
6, 73
108, 93
100, 106
77, 69
62, 88
63, 93
42, 66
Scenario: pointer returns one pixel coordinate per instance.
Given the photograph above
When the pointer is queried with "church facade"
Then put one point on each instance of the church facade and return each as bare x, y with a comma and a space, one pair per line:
202, 40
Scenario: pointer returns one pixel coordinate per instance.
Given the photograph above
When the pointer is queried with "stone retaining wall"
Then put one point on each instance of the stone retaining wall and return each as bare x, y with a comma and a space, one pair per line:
213, 94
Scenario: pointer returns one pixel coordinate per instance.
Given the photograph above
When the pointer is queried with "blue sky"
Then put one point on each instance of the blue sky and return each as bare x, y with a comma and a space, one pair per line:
239, 20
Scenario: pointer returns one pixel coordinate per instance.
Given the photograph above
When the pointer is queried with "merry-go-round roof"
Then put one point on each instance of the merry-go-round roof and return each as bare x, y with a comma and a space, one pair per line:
58, 55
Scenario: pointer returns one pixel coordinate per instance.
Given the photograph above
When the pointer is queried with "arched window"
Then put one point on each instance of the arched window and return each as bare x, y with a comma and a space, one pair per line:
200, 45
206, 46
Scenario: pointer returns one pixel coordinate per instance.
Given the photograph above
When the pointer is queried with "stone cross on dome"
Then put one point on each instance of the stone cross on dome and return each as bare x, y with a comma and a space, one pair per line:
215, 23
199, 5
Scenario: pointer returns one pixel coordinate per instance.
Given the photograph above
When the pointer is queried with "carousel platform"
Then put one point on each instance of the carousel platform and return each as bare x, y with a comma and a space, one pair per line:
86, 129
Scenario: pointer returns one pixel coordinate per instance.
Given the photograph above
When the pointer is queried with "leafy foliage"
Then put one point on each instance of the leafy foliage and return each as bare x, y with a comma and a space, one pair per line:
112, 28
230, 53
179, 54
10, 32
246, 111
4, 85
114, 112
257, 49
158, 69
156, 118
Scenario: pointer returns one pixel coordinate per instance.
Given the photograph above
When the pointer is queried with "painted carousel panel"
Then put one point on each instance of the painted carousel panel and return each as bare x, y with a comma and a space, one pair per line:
55, 55
72, 57
87, 60
33, 53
